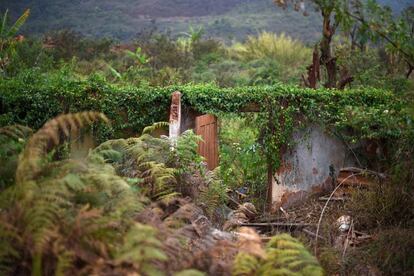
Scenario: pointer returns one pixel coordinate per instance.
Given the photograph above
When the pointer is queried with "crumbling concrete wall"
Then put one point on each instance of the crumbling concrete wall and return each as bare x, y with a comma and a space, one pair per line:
188, 118
309, 165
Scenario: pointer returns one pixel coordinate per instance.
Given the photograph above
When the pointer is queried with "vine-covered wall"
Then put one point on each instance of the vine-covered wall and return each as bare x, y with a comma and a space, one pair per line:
359, 113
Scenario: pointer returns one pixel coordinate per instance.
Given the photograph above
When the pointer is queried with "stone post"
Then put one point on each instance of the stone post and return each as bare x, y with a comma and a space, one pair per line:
175, 117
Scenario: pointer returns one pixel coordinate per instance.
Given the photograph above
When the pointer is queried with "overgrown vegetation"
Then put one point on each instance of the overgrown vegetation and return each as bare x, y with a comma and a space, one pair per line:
95, 215
135, 204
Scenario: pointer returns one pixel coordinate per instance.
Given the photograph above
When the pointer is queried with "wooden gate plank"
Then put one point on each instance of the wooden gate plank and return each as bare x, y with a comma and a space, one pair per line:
206, 127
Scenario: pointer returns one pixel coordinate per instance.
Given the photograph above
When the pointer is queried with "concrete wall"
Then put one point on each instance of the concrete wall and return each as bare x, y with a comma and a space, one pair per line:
307, 165
188, 118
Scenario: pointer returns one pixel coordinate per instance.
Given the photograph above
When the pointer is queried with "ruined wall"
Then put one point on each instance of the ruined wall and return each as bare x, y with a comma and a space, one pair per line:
188, 118
308, 164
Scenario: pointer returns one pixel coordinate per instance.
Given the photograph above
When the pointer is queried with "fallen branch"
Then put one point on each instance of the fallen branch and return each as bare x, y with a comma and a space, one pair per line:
310, 233
363, 171
269, 219
277, 224
324, 198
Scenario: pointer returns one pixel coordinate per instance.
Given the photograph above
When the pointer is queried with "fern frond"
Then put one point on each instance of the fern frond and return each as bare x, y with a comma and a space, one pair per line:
186, 153
49, 136
245, 265
161, 179
214, 194
286, 254
154, 127
65, 259
189, 272
41, 221
10, 242
141, 247
16, 132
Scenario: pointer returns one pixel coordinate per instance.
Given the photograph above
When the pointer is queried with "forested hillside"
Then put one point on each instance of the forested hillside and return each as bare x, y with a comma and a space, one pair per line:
123, 20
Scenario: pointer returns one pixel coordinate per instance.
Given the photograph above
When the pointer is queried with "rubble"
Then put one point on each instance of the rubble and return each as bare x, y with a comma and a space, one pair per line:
344, 223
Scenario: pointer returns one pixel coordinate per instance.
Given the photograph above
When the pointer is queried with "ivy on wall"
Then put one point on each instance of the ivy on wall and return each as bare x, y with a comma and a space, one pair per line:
360, 113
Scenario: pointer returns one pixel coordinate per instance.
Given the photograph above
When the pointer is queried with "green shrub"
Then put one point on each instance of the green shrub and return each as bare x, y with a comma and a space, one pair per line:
241, 162
280, 48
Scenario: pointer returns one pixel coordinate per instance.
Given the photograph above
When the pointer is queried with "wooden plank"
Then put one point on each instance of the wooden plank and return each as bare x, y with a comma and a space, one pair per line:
206, 127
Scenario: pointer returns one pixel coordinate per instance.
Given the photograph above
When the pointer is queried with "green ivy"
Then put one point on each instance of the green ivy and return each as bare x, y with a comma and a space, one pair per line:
359, 113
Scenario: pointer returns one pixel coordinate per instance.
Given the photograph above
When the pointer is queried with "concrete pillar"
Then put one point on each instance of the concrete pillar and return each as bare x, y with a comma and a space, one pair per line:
175, 116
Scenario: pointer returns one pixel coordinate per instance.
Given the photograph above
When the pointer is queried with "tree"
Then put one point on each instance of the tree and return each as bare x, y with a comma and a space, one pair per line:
334, 14
362, 22
8, 37
191, 37
379, 24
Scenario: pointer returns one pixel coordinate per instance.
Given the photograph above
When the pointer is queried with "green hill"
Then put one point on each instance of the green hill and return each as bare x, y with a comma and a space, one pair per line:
124, 19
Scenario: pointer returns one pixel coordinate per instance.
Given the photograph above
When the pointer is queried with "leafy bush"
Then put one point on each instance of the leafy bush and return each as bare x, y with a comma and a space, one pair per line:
208, 51
372, 67
165, 52
67, 44
28, 54
241, 162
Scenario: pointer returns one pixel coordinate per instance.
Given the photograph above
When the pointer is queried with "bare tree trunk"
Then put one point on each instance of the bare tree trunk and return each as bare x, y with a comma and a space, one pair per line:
326, 52
313, 71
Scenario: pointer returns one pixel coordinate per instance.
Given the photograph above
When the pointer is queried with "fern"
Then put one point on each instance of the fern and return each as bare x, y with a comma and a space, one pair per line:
160, 180
287, 255
79, 216
9, 238
214, 194
65, 212
65, 259
284, 256
154, 127
16, 132
48, 137
246, 264
142, 158
141, 247
186, 155
189, 272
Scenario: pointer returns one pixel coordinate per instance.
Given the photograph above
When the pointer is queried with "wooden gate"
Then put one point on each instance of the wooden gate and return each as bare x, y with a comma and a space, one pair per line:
206, 127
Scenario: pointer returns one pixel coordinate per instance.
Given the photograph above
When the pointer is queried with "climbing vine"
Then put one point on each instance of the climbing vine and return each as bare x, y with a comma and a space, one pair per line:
276, 121
358, 113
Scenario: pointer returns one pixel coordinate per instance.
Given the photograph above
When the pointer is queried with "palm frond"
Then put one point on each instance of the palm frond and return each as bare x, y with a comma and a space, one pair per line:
19, 23
4, 24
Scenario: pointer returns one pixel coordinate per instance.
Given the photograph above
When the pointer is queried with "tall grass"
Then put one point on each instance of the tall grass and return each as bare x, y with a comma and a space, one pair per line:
281, 48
